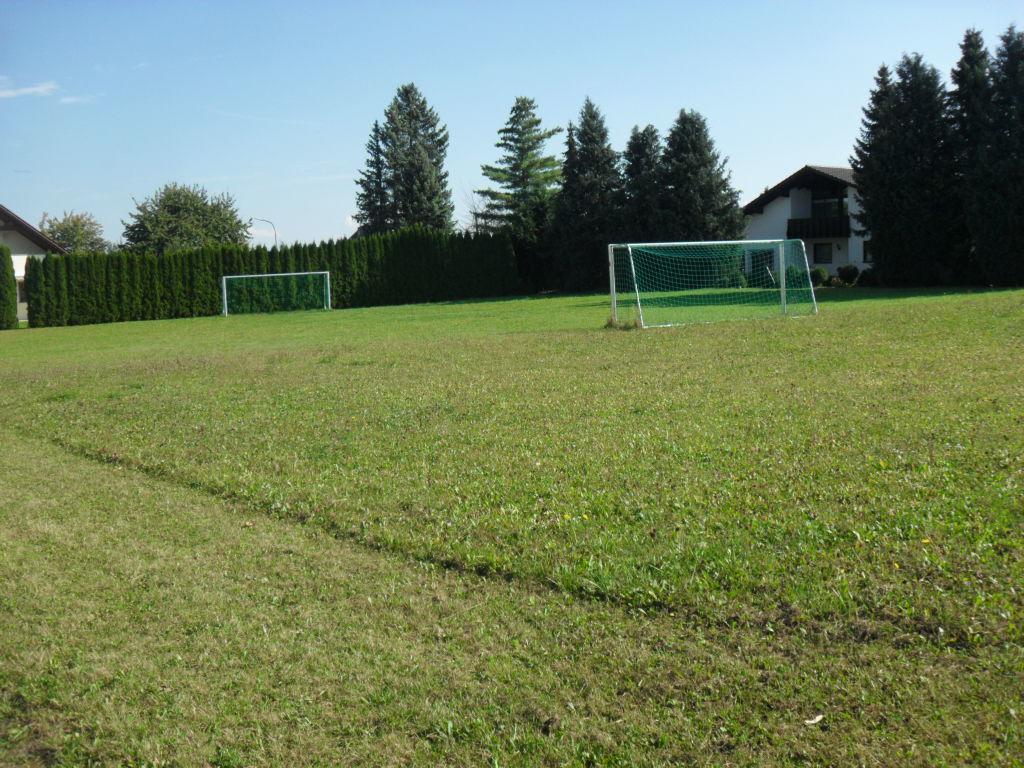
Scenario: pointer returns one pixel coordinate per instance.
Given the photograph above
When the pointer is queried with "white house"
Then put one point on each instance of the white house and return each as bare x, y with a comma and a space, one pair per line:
816, 205
25, 241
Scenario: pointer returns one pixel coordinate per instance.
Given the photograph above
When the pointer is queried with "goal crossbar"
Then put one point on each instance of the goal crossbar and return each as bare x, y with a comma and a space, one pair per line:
225, 278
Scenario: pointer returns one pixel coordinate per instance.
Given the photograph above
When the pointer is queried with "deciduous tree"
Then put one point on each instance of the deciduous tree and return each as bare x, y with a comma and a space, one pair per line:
178, 217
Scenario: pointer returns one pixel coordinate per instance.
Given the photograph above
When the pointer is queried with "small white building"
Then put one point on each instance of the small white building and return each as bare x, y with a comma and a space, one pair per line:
816, 204
25, 241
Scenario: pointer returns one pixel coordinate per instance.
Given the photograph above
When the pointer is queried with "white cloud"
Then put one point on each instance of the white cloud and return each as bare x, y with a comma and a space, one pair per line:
85, 99
41, 89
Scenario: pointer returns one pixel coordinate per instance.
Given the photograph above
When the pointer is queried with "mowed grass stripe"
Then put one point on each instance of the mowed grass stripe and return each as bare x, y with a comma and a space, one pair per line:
858, 472
146, 624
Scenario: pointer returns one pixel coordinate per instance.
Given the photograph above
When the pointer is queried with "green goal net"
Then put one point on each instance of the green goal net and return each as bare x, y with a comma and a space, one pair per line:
660, 284
279, 292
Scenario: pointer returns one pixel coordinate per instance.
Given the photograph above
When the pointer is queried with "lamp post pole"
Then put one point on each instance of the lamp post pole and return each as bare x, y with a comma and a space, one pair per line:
268, 221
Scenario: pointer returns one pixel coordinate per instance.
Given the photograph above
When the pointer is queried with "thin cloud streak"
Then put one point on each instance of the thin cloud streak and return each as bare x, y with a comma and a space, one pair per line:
41, 89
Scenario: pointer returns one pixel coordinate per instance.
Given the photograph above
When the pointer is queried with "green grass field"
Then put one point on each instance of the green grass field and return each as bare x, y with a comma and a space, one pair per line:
498, 533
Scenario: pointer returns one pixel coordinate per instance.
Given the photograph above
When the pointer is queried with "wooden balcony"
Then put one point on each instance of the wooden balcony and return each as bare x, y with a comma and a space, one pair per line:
808, 229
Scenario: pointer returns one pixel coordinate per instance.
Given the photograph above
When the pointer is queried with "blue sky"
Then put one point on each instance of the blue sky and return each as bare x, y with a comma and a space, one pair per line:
102, 102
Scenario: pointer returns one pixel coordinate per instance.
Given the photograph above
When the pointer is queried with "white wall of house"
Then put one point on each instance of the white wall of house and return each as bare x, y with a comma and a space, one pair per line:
801, 203
771, 223
19, 244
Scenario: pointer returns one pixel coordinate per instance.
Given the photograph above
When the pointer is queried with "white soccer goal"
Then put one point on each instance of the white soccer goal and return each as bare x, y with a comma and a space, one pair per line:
276, 292
661, 284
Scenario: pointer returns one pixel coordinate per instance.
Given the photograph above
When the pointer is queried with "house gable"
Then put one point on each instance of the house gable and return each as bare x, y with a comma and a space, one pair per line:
808, 177
22, 237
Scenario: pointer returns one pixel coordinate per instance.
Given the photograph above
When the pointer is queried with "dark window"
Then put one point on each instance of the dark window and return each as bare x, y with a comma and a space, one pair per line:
868, 258
827, 203
22, 293
823, 253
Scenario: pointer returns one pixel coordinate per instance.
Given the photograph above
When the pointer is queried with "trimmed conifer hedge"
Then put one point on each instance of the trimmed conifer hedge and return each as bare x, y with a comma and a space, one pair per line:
404, 267
8, 291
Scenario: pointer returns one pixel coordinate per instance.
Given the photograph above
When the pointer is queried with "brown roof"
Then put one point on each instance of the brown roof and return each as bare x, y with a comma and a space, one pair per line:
808, 176
10, 220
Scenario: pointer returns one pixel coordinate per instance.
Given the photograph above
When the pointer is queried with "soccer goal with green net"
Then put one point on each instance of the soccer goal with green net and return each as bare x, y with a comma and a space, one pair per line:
277, 292
662, 284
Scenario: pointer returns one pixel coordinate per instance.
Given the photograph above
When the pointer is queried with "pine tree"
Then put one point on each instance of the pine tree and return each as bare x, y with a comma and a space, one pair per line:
415, 145
8, 291
642, 184
697, 197
525, 176
970, 112
1000, 190
870, 160
905, 172
526, 180
588, 209
374, 206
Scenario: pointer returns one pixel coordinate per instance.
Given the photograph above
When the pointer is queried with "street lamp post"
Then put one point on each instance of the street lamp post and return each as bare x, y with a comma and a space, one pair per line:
268, 221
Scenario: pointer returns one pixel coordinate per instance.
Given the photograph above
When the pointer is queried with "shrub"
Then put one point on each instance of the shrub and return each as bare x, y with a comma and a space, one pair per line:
868, 279
819, 276
796, 275
848, 274
8, 291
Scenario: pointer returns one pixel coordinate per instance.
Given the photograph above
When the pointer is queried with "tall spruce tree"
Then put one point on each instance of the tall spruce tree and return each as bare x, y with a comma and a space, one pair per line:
588, 210
642, 186
415, 145
525, 175
970, 112
697, 198
905, 172
526, 179
374, 206
1000, 229
870, 162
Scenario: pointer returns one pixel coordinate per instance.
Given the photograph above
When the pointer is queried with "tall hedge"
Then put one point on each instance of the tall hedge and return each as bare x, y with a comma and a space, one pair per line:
407, 266
8, 291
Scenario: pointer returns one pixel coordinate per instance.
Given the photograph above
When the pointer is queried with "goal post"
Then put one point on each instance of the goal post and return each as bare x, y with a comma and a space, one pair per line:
662, 284
275, 292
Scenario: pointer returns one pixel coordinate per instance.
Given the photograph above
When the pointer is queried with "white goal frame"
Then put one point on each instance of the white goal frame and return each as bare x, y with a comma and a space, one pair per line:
780, 245
224, 285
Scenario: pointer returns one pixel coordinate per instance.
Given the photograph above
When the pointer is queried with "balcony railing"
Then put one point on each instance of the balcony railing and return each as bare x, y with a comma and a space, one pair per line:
831, 226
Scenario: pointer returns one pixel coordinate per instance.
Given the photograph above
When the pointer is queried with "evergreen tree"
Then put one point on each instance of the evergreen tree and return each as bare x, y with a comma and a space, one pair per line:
8, 291
642, 184
970, 111
588, 210
374, 206
905, 172
698, 200
870, 161
415, 145
1000, 226
526, 177
526, 180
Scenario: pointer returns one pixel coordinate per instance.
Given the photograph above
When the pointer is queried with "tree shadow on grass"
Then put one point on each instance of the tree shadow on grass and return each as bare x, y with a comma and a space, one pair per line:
837, 295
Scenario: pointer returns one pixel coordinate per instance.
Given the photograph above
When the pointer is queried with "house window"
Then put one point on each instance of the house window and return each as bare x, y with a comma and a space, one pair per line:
827, 203
868, 258
823, 253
